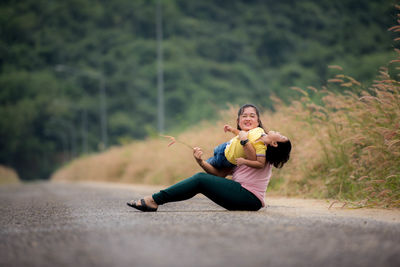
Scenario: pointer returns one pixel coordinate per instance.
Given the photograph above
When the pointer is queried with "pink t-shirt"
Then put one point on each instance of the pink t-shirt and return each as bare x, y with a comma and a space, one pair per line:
254, 180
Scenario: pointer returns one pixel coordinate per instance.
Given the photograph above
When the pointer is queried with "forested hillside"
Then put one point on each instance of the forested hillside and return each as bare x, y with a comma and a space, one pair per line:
57, 57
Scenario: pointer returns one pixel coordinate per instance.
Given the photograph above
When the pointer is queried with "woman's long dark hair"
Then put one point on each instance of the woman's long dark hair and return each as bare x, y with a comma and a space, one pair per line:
241, 110
279, 155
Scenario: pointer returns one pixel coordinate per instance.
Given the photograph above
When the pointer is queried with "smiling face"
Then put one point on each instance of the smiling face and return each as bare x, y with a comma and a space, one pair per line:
248, 119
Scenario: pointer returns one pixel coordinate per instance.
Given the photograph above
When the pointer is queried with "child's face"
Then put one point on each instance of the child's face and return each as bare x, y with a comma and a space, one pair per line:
277, 136
248, 119
272, 138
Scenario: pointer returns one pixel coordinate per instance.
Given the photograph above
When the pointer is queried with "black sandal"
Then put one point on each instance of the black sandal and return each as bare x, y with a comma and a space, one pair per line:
143, 207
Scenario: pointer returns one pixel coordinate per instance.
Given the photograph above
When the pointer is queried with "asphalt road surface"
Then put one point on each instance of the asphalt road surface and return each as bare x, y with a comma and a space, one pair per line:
54, 224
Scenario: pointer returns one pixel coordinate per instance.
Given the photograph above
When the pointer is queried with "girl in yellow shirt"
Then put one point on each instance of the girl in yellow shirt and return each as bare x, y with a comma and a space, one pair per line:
248, 136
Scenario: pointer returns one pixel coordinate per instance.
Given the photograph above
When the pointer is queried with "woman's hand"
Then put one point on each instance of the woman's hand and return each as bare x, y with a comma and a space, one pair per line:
240, 161
198, 153
243, 135
207, 167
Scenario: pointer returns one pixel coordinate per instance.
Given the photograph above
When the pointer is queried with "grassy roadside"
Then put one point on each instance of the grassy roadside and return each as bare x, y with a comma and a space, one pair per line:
331, 156
8, 176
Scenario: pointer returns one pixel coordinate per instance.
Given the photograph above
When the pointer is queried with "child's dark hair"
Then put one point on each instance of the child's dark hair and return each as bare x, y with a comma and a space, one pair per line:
279, 155
241, 110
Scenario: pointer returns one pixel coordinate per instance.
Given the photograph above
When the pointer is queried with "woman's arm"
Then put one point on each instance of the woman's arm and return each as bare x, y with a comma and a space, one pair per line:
258, 164
207, 167
251, 158
248, 148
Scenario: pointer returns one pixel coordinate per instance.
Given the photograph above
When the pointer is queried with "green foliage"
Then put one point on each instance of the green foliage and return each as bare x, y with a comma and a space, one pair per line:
215, 53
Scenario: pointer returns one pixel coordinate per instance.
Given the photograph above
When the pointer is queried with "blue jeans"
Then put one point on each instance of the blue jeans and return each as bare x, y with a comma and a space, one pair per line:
219, 160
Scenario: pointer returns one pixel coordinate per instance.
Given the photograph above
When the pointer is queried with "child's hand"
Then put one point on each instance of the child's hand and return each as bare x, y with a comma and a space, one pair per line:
227, 128
240, 161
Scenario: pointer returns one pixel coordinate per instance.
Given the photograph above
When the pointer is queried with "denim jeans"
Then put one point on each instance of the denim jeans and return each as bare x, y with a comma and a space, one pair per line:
219, 160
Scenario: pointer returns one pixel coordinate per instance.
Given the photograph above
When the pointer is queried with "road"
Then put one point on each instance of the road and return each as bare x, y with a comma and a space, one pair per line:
66, 224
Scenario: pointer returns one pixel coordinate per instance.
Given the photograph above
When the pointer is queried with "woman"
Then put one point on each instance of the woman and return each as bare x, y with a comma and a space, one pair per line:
246, 190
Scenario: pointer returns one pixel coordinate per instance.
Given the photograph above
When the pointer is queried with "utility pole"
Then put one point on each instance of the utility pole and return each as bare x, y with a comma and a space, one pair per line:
160, 72
103, 111
84, 132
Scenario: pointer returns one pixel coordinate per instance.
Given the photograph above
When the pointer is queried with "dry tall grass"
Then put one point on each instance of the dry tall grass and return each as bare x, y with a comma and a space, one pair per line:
150, 161
347, 149
359, 139
8, 176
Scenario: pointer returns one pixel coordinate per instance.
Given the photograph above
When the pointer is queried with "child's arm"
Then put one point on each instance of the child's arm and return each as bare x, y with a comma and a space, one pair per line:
228, 128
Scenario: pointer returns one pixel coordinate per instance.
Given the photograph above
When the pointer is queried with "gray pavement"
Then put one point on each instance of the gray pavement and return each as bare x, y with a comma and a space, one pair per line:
52, 224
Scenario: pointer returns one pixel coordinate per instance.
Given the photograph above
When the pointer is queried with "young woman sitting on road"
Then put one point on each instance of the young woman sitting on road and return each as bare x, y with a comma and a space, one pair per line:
246, 190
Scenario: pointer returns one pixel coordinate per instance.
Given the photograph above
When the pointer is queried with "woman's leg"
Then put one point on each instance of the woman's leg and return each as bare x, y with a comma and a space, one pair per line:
225, 192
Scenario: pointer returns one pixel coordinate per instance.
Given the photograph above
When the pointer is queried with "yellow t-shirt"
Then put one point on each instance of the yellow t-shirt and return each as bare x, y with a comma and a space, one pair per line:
235, 150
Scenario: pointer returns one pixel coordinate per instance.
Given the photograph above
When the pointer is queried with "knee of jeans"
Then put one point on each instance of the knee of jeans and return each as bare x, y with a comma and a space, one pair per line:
199, 177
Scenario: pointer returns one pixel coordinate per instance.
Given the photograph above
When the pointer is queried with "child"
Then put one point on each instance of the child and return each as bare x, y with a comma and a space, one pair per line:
227, 154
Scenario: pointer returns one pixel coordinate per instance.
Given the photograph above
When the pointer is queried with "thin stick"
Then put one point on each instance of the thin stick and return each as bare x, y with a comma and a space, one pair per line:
174, 140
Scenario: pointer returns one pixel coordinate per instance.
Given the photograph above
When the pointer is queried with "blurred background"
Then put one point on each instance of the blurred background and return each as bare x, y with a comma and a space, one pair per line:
80, 76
